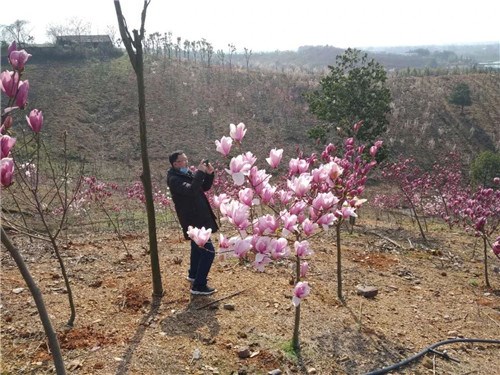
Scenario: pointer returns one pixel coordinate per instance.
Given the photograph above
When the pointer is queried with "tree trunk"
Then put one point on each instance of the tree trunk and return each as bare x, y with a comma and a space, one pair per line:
136, 59
487, 280
40, 305
339, 263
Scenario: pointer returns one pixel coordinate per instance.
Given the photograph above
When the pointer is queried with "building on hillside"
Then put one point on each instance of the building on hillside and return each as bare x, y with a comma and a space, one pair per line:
91, 41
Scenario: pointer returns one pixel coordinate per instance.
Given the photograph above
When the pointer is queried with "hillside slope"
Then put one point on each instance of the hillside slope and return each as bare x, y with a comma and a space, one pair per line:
189, 106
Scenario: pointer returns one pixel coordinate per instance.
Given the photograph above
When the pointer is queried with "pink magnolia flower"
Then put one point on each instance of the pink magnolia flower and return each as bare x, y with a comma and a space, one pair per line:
6, 171
496, 180
320, 174
496, 247
309, 227
241, 246
223, 242
304, 267
237, 132
357, 126
302, 248
246, 196
220, 199
22, 93
266, 224
260, 261
347, 212
261, 244
274, 157
224, 145
267, 194
7, 124
9, 82
334, 170
298, 208
18, 59
279, 248
326, 220
35, 120
297, 166
289, 222
238, 169
300, 185
285, 196
258, 179
249, 158
324, 201
199, 236
6, 144
373, 151
300, 292
12, 47
236, 213
357, 202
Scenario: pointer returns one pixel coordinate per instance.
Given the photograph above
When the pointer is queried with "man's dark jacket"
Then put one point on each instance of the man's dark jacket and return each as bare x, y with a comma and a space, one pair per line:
191, 204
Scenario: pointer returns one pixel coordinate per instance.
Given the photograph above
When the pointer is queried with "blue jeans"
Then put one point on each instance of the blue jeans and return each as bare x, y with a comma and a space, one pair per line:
201, 262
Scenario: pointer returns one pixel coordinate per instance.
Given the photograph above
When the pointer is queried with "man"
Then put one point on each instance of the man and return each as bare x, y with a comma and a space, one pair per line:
193, 209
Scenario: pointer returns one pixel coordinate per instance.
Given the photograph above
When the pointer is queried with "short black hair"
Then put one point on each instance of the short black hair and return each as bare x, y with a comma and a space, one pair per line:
174, 155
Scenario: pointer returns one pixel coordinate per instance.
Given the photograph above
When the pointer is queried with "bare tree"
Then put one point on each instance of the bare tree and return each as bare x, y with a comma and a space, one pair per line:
248, 54
232, 50
134, 50
17, 31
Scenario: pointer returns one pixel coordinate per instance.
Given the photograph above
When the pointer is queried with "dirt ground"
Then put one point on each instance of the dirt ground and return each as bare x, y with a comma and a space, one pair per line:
426, 294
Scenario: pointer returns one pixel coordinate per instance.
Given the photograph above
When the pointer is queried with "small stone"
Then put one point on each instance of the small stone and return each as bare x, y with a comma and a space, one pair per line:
17, 290
196, 355
275, 372
452, 334
228, 306
428, 363
311, 371
366, 291
244, 352
444, 273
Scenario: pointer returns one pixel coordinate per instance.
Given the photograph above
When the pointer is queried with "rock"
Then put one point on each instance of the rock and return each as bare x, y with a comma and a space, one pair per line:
366, 291
452, 334
427, 362
244, 352
311, 371
196, 354
275, 372
17, 290
228, 306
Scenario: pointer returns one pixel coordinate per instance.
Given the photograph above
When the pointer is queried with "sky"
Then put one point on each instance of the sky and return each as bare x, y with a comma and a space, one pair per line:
270, 25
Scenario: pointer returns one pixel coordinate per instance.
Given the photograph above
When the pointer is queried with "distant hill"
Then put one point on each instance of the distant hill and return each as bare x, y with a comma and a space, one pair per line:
317, 58
189, 106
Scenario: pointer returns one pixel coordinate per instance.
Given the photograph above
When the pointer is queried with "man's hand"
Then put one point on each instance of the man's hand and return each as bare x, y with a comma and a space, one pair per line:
207, 168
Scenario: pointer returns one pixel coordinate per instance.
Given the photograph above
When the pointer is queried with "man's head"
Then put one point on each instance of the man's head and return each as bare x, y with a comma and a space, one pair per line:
178, 159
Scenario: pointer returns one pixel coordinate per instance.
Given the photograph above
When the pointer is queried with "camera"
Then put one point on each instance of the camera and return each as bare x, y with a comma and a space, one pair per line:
206, 161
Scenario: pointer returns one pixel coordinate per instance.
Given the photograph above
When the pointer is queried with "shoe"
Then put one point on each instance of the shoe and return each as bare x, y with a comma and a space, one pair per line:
190, 279
203, 290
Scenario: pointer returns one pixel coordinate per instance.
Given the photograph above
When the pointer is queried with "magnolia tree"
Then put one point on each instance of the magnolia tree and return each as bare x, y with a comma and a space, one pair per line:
276, 220
17, 92
479, 213
412, 184
441, 193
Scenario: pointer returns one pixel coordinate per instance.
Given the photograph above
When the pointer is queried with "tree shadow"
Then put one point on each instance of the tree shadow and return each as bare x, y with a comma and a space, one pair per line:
197, 321
137, 338
191, 322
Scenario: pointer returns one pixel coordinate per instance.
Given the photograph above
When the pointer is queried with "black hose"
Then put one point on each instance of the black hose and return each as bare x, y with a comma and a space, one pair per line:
385, 370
